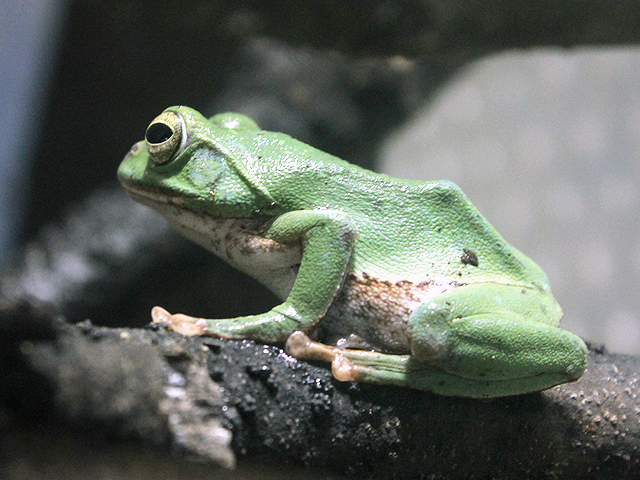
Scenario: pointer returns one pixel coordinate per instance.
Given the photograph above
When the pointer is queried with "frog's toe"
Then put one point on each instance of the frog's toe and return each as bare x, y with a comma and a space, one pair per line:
182, 324
345, 370
160, 315
302, 347
299, 345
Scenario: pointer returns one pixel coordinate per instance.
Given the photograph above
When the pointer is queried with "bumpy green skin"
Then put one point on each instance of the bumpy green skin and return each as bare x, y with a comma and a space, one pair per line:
432, 295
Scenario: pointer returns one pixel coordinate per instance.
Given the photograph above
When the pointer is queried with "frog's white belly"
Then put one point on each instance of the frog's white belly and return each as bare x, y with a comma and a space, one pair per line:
272, 263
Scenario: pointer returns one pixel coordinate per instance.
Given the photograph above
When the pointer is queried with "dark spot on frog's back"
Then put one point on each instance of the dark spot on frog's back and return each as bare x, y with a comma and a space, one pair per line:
469, 257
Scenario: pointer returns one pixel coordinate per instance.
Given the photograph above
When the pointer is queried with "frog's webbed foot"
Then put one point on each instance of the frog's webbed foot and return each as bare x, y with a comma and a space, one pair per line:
343, 361
180, 323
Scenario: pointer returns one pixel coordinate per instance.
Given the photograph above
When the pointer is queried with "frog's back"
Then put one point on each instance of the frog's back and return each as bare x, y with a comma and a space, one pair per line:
407, 229
432, 229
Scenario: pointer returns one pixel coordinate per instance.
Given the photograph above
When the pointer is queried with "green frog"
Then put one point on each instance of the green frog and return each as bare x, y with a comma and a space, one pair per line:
394, 282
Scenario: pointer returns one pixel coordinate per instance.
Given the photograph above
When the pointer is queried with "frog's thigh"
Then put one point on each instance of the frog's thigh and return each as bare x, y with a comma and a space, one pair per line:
482, 339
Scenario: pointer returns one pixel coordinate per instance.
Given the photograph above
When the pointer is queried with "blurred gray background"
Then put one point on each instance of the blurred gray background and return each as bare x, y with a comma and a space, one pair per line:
29, 36
546, 144
544, 141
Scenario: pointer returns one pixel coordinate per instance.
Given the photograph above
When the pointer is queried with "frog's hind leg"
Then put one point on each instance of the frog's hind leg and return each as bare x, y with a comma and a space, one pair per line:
406, 371
495, 335
385, 369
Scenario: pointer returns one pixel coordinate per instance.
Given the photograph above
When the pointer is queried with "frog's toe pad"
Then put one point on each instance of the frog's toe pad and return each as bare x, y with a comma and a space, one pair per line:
297, 344
344, 369
182, 324
301, 346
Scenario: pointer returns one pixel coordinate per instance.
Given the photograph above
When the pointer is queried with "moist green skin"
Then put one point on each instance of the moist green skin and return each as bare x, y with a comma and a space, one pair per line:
408, 270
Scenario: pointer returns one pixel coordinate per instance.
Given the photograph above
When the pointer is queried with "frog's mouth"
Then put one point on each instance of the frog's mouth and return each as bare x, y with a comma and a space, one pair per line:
191, 224
164, 203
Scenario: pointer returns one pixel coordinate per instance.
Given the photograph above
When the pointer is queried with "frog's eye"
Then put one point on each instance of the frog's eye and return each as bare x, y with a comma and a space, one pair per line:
166, 137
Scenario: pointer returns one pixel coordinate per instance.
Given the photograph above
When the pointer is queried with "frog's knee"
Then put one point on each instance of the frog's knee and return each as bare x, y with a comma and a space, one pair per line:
430, 329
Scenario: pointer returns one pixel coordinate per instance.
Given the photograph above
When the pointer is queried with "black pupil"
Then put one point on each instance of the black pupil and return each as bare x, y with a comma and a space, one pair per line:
158, 133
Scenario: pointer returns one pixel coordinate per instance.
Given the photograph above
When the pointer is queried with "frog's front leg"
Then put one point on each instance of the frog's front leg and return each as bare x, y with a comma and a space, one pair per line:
471, 341
327, 238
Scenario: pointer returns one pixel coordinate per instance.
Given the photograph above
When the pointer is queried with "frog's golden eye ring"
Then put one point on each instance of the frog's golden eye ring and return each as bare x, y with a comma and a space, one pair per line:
166, 137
